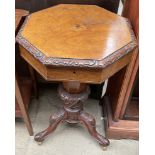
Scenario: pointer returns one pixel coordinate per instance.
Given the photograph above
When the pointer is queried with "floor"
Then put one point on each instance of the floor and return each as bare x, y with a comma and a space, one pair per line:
67, 139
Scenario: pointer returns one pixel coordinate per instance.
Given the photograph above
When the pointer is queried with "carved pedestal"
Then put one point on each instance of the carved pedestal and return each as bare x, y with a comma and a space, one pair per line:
73, 94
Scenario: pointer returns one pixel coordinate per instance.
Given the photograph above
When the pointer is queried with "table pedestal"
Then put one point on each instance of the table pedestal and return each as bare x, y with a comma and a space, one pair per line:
73, 94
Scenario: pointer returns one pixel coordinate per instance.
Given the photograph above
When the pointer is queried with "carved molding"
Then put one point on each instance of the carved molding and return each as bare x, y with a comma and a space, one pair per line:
72, 99
82, 63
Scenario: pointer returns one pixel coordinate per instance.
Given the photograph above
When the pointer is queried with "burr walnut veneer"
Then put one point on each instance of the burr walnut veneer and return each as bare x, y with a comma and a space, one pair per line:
76, 45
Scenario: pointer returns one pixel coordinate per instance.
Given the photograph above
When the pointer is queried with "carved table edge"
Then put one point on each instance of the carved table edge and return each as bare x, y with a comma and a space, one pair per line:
80, 63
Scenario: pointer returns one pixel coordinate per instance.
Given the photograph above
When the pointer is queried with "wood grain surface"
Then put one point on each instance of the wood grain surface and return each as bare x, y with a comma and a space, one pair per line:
77, 31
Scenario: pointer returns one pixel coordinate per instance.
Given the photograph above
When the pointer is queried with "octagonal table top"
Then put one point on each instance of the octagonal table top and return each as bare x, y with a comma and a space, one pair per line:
76, 36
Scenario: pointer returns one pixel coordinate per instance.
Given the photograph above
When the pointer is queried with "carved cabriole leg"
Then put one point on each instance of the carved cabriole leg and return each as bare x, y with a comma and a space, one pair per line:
90, 123
54, 120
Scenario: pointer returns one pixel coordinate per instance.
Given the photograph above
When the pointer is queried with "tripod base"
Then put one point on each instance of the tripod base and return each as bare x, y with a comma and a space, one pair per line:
72, 112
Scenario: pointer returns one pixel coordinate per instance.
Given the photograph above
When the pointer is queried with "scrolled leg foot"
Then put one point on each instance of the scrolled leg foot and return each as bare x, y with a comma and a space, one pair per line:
54, 121
39, 137
90, 123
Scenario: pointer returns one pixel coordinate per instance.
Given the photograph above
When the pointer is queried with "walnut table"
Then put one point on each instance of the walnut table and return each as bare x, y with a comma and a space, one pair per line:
76, 45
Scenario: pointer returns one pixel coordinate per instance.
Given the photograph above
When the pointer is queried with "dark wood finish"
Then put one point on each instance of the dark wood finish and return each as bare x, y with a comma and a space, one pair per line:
132, 110
33, 78
36, 5
109, 54
19, 18
121, 99
72, 112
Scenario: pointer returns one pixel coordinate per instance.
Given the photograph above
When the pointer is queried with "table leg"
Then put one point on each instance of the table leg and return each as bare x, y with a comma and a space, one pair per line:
22, 107
54, 120
90, 123
73, 94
